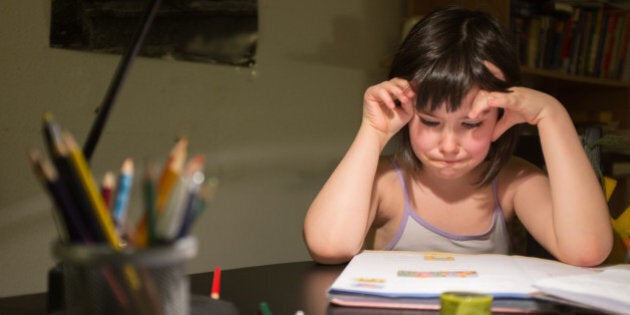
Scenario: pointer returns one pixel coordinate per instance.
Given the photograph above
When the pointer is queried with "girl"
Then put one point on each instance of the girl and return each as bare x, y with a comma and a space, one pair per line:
454, 98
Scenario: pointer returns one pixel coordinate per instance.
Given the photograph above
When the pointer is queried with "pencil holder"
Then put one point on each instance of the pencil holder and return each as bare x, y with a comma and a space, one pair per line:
99, 280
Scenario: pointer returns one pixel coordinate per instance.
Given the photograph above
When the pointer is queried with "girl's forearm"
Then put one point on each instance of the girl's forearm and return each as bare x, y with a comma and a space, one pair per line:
339, 217
580, 212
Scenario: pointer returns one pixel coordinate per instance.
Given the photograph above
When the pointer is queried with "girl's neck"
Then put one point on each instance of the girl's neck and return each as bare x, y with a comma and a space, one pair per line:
448, 188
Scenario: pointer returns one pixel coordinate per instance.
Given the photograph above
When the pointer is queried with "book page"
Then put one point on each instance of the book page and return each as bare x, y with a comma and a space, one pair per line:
417, 274
606, 290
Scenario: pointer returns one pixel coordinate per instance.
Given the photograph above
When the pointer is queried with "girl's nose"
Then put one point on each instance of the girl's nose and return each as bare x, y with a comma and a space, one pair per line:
449, 142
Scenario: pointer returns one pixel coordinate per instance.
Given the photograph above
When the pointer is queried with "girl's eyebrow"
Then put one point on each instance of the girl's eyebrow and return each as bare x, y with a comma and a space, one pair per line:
482, 115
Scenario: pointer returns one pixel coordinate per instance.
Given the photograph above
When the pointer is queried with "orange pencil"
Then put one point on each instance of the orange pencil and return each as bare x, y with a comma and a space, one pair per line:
171, 172
169, 176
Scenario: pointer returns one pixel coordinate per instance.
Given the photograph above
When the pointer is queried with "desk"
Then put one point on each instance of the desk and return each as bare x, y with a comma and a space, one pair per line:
286, 288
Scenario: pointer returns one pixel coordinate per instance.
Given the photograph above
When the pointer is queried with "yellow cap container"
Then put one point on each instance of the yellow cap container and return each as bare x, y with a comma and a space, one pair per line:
465, 303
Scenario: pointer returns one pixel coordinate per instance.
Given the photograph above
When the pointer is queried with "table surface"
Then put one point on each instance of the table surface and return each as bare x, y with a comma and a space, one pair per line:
286, 288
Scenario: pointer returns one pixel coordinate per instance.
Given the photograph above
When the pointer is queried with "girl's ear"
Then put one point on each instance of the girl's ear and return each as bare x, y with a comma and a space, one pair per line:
494, 70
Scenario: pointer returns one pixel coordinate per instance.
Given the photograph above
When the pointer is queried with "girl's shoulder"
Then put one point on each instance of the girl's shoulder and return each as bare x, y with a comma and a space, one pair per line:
518, 168
517, 174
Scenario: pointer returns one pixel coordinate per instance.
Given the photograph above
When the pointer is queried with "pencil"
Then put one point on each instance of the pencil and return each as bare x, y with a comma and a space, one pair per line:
171, 172
148, 186
264, 308
216, 284
182, 197
167, 180
123, 192
107, 188
59, 151
80, 167
197, 206
60, 196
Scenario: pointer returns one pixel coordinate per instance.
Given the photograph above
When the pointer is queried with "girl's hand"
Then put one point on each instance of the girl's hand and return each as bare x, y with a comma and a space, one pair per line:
388, 106
520, 105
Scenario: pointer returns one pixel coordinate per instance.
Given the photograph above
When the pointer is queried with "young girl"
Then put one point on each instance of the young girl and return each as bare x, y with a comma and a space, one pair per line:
454, 97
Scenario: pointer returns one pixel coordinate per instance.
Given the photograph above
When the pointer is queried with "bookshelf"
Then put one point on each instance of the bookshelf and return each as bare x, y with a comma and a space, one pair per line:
589, 99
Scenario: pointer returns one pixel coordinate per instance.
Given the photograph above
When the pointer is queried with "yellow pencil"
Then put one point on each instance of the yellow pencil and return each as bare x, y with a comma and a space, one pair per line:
91, 189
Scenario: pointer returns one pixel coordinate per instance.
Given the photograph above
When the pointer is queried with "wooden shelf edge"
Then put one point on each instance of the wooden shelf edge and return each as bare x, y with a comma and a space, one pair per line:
573, 78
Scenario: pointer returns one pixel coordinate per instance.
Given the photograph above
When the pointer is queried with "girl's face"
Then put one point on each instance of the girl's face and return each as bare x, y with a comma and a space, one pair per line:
451, 145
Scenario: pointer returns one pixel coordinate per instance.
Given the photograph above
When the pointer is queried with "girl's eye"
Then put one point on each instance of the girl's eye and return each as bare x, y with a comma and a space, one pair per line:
429, 123
471, 125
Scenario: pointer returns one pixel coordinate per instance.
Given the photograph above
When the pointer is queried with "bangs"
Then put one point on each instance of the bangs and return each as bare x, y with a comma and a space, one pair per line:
450, 78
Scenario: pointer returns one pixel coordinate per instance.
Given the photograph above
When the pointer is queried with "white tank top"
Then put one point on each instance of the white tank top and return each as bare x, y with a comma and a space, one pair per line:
416, 234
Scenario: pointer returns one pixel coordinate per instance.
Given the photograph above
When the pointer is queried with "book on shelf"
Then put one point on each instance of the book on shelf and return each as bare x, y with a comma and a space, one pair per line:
415, 280
586, 38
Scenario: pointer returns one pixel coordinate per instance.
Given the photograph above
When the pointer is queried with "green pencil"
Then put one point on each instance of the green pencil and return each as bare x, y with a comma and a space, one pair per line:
264, 309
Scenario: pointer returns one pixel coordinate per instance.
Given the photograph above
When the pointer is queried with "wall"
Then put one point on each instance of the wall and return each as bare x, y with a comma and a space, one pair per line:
271, 134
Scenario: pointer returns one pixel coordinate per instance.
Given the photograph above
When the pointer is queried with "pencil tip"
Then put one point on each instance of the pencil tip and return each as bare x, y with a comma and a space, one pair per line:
127, 166
48, 116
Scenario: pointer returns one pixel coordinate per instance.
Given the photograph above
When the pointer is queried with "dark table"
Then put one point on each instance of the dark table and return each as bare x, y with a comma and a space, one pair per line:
286, 288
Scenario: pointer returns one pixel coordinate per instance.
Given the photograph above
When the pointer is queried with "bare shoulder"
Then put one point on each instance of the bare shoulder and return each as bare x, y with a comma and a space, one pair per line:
518, 169
518, 175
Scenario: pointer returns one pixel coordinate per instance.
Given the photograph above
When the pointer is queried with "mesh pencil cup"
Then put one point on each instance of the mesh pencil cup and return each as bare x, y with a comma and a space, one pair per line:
99, 280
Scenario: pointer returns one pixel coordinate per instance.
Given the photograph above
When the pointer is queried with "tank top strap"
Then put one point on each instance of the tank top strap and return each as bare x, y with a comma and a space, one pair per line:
401, 178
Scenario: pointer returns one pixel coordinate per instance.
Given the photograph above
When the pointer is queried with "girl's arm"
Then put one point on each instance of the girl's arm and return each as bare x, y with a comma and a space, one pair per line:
340, 216
566, 212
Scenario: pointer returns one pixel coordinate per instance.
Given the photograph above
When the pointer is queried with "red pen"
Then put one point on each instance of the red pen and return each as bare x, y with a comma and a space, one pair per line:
216, 284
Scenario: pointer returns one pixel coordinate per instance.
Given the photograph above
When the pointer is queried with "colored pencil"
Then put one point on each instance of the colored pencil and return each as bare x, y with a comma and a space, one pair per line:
181, 198
216, 284
264, 308
107, 188
197, 206
171, 172
65, 204
80, 167
148, 186
60, 196
123, 192
60, 153
167, 180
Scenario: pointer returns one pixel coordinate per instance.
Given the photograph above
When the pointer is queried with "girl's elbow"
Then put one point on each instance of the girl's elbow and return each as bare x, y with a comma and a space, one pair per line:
592, 254
330, 257
330, 253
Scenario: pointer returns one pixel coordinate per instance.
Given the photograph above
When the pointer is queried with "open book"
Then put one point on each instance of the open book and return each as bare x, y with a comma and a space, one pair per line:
415, 280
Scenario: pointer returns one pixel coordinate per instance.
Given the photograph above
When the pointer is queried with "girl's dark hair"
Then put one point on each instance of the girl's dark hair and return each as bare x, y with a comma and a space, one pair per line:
443, 56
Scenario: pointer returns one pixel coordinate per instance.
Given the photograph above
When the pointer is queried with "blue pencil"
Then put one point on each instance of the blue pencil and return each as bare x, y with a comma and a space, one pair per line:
123, 192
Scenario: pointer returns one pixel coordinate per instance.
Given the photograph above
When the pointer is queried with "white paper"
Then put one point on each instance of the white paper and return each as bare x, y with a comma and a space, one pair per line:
418, 274
607, 290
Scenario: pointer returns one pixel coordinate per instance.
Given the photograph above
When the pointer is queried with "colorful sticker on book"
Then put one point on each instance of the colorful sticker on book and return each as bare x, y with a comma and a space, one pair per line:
369, 283
438, 274
439, 257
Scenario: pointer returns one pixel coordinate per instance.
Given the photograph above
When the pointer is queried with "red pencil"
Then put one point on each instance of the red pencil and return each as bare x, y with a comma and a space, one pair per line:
216, 284
107, 188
